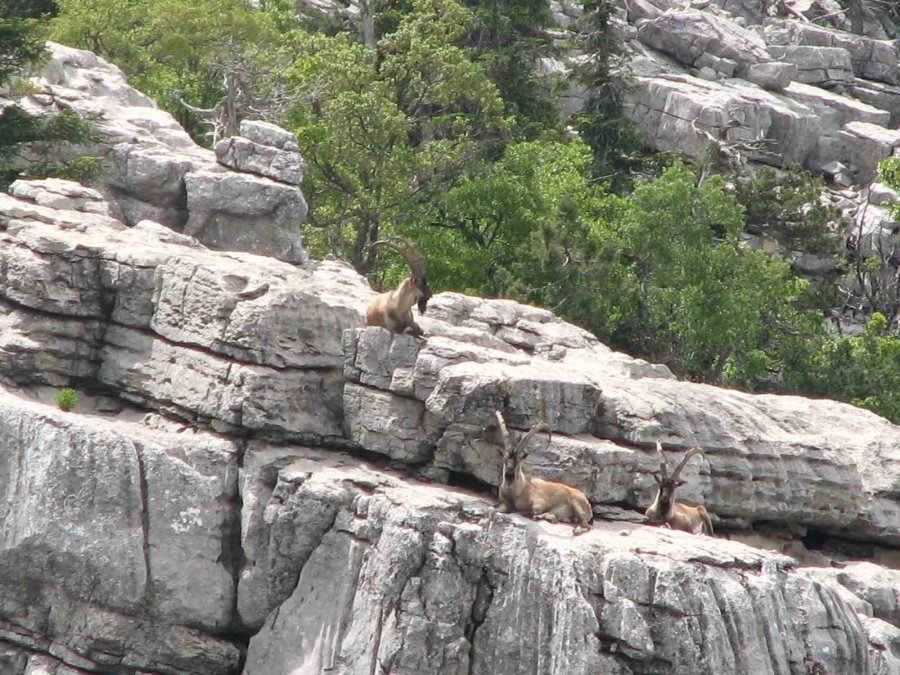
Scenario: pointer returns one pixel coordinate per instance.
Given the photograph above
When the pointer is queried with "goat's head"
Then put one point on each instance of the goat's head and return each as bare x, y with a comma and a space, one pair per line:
515, 454
416, 285
667, 484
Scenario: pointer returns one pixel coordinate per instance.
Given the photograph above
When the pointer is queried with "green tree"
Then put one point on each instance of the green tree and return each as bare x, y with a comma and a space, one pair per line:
491, 224
507, 37
618, 148
696, 297
34, 9
788, 205
21, 45
21, 42
387, 130
661, 273
889, 174
169, 48
864, 370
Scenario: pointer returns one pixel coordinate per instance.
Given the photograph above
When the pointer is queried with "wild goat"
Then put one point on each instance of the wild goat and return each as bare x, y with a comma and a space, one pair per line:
664, 509
541, 499
393, 309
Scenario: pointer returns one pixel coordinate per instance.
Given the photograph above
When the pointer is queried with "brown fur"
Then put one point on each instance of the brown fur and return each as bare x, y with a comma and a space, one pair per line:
693, 519
393, 309
676, 515
541, 499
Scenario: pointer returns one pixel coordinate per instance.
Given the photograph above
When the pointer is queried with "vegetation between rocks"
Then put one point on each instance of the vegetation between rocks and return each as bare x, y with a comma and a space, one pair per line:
22, 134
428, 119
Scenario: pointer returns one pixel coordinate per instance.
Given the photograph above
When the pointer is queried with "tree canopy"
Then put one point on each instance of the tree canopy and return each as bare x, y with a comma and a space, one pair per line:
430, 119
22, 44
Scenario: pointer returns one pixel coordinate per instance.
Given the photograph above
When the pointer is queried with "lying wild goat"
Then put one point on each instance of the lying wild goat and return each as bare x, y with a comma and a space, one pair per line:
665, 509
393, 309
543, 499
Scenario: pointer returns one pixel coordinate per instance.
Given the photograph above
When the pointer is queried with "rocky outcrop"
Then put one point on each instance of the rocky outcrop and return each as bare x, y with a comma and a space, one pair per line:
801, 88
428, 580
264, 149
171, 523
231, 341
817, 464
117, 541
152, 170
697, 38
252, 482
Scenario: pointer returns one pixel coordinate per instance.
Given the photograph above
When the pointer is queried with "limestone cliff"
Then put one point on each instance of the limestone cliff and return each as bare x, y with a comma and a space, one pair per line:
253, 483
764, 82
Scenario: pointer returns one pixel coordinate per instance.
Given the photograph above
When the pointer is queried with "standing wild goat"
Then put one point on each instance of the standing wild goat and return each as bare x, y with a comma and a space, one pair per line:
542, 499
393, 309
664, 509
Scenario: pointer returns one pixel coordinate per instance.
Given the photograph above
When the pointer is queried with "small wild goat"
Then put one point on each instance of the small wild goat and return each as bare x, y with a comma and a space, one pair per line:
393, 309
541, 499
664, 509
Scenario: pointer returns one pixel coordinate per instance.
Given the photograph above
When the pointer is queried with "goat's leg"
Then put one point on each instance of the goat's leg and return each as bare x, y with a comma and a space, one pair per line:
557, 514
538, 507
396, 323
583, 515
707, 526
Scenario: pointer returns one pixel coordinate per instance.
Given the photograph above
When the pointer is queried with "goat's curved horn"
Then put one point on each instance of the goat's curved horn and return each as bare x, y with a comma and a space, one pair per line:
684, 460
414, 259
408, 250
663, 474
542, 426
503, 432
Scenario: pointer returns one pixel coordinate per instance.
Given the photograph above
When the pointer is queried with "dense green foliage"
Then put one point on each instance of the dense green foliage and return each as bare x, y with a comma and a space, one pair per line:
22, 44
616, 144
66, 399
432, 121
387, 130
787, 205
170, 48
889, 174
864, 370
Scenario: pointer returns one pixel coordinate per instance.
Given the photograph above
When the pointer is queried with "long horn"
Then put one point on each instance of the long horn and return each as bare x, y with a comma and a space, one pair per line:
543, 426
663, 468
504, 432
414, 259
684, 460
408, 250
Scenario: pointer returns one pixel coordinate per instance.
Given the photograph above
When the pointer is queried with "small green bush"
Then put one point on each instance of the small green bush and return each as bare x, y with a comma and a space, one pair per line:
66, 399
787, 204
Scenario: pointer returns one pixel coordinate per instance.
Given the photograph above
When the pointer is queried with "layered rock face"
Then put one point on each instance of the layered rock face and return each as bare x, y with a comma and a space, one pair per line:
230, 341
697, 70
252, 482
172, 524
765, 457
117, 542
153, 170
418, 579
781, 83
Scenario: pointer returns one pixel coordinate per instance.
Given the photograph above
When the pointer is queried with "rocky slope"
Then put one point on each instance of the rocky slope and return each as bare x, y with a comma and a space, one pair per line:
253, 483
775, 82
153, 170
